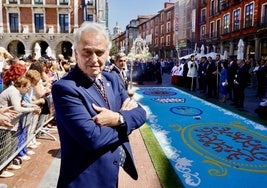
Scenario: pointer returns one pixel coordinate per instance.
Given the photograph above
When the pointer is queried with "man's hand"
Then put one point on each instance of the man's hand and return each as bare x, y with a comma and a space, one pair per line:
106, 117
129, 104
109, 118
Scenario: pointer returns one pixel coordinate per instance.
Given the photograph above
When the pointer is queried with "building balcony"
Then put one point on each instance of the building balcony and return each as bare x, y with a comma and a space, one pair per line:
203, 3
262, 23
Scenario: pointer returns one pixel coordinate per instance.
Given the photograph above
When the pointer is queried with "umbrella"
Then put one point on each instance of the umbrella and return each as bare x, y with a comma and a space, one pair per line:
213, 55
48, 51
240, 50
186, 56
202, 49
225, 54
37, 50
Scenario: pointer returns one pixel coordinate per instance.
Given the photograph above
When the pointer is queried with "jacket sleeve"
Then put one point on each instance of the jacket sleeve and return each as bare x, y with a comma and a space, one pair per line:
74, 114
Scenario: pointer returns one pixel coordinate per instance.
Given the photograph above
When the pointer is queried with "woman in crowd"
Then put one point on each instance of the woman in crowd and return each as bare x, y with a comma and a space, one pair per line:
35, 77
15, 70
42, 90
12, 96
223, 81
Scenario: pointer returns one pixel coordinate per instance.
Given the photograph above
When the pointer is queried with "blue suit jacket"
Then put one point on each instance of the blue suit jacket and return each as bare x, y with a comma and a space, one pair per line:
89, 153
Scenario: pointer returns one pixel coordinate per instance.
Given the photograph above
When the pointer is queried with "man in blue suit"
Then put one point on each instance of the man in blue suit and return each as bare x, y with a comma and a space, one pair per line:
94, 121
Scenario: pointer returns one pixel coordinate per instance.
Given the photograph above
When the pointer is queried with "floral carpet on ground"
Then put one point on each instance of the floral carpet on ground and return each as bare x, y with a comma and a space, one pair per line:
208, 146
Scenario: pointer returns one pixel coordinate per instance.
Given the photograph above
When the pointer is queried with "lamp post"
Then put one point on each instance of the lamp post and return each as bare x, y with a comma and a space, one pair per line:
177, 50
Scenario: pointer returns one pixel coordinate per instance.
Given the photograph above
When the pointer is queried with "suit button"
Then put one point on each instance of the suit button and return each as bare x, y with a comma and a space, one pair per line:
115, 162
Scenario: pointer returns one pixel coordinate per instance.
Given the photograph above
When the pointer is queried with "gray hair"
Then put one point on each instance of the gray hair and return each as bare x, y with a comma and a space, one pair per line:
91, 26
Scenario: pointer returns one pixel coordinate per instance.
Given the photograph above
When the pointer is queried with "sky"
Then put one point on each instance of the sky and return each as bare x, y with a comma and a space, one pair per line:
123, 11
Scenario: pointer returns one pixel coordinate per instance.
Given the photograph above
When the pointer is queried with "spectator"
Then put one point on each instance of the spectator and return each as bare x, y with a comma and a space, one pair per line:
119, 68
223, 81
30, 97
240, 83
211, 78
192, 73
174, 73
261, 78
15, 70
232, 68
180, 73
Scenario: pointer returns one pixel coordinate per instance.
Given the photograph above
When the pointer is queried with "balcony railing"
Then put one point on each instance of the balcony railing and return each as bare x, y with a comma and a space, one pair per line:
13, 1
248, 23
236, 27
224, 4
262, 22
203, 19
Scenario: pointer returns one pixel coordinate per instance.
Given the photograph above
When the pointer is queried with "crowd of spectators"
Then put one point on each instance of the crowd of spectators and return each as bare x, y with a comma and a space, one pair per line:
25, 103
150, 70
222, 79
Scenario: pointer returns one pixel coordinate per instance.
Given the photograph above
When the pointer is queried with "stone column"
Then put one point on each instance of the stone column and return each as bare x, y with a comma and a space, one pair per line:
231, 48
221, 48
76, 16
1, 18
257, 48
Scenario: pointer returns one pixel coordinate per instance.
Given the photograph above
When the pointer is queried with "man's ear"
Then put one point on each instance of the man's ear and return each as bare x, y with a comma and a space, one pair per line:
75, 54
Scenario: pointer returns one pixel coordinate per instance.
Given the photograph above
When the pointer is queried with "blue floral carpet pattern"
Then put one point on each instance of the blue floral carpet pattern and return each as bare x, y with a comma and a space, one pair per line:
208, 146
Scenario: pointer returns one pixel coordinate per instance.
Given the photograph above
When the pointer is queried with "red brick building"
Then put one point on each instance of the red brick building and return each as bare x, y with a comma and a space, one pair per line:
224, 22
217, 24
24, 23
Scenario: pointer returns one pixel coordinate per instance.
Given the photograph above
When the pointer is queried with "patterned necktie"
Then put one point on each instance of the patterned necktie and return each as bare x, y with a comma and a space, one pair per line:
99, 84
122, 156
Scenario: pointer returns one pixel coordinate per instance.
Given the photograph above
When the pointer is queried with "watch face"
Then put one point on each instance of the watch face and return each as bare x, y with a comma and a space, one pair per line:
121, 119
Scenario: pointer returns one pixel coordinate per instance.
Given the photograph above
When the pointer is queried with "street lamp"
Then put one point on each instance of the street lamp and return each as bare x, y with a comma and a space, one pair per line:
177, 50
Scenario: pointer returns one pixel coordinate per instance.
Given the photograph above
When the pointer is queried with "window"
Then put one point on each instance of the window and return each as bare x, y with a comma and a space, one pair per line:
13, 1
14, 22
226, 23
89, 2
64, 23
156, 21
38, 2
249, 15
203, 15
218, 29
39, 23
156, 41
168, 27
264, 14
162, 30
63, 2
203, 32
211, 29
218, 4
168, 16
212, 8
90, 17
162, 41
168, 39
161, 18
236, 21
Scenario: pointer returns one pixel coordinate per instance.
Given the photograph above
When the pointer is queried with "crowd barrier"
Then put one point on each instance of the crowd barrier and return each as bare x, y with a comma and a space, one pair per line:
26, 128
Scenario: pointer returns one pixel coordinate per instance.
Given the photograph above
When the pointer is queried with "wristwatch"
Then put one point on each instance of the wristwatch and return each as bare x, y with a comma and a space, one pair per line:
121, 119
